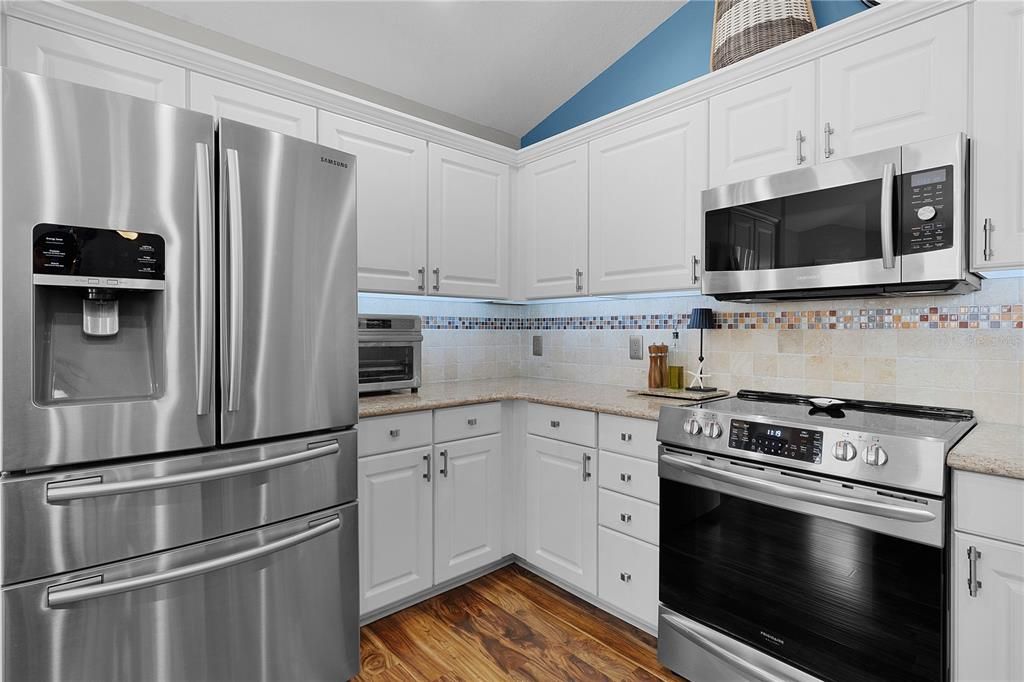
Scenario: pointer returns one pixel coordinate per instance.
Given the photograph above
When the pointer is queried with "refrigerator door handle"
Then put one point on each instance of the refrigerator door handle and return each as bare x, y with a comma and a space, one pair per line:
235, 296
60, 595
204, 281
93, 486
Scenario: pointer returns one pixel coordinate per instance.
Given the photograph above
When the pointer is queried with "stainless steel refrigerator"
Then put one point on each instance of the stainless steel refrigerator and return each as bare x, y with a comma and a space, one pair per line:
178, 395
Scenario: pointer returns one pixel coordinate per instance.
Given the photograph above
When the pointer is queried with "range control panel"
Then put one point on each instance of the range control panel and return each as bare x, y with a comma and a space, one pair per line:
927, 220
96, 257
782, 441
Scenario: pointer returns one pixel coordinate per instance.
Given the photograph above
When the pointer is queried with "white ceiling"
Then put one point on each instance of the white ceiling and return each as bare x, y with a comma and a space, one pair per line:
501, 64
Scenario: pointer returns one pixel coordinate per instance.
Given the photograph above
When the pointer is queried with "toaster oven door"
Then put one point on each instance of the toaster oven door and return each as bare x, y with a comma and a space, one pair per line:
388, 365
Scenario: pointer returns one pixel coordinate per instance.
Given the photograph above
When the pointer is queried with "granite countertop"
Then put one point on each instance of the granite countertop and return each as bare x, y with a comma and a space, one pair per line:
996, 449
592, 397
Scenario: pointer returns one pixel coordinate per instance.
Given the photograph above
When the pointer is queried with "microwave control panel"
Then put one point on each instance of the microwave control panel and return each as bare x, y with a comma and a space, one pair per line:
771, 439
927, 218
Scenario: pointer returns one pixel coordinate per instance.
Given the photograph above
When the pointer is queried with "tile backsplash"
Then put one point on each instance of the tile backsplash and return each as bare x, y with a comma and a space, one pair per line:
954, 351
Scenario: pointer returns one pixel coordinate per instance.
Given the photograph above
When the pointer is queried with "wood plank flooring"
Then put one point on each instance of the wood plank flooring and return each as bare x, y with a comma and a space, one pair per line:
508, 625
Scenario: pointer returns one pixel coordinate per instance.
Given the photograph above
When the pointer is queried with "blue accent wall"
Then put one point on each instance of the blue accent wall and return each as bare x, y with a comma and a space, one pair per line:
677, 51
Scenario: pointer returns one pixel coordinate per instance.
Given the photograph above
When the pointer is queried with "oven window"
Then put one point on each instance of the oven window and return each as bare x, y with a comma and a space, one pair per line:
385, 363
824, 227
840, 602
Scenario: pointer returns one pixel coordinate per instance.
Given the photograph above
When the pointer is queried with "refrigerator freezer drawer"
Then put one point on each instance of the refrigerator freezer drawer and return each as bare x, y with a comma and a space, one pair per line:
227, 609
62, 522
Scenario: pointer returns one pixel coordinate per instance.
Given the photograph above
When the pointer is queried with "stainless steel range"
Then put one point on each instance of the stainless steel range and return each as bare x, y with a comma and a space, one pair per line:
804, 538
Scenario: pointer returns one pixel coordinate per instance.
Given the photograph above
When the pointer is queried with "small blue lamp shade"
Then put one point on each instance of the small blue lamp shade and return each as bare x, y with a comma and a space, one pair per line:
701, 318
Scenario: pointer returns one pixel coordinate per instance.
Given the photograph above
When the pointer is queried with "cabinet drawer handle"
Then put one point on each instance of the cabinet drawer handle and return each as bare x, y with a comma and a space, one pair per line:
973, 584
627, 437
426, 460
625, 478
471, 421
395, 433
626, 518
555, 424
586, 467
625, 577
829, 151
800, 158
444, 465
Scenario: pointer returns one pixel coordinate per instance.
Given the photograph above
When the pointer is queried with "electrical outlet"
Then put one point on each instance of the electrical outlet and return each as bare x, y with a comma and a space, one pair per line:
636, 348
538, 344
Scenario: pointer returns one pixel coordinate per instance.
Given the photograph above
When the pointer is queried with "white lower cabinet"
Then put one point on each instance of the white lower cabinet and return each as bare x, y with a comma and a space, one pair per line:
628, 574
396, 529
467, 506
561, 510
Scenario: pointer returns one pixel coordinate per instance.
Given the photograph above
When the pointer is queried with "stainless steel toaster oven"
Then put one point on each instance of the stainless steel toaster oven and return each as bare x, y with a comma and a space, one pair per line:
390, 352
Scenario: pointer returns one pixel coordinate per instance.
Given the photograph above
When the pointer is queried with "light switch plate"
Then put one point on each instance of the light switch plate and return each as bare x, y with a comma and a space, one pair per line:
538, 344
636, 348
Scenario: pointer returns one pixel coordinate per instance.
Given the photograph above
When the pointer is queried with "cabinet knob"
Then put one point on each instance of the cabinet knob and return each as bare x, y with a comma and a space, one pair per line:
625, 478
626, 518
627, 437
555, 424
395, 433
471, 421
625, 577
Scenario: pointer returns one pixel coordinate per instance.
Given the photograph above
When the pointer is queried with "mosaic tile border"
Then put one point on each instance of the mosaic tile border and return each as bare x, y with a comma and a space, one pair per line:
934, 317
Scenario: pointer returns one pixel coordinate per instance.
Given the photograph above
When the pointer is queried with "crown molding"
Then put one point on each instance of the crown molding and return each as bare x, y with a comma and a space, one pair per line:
884, 18
80, 21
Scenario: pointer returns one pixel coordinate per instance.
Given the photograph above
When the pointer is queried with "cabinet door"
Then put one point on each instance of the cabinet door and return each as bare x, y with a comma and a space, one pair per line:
988, 628
997, 138
468, 227
467, 506
904, 86
763, 127
553, 210
56, 54
222, 99
561, 510
396, 529
645, 185
391, 202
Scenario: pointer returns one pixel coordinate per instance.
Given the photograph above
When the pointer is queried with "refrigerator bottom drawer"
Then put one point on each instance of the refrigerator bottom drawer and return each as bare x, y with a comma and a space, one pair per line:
277, 603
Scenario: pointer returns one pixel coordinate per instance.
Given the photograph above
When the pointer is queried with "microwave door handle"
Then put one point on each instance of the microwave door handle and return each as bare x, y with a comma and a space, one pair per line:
888, 511
888, 181
235, 294
204, 280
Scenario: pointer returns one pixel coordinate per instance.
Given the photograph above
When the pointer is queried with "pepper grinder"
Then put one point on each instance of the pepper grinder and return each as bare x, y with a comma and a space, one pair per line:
654, 372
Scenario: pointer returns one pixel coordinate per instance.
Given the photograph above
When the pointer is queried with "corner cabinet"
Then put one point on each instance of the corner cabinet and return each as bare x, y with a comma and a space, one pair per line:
645, 216
997, 136
553, 205
391, 202
223, 99
56, 54
468, 225
903, 86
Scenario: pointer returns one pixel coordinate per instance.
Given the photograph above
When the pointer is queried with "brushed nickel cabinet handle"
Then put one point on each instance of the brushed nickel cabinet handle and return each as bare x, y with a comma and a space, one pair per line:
973, 584
444, 465
423, 279
800, 138
694, 262
986, 251
426, 460
829, 151
586, 467
437, 279
579, 280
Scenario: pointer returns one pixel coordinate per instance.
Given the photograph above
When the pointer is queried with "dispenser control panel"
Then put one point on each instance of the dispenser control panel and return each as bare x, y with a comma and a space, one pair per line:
67, 255
927, 202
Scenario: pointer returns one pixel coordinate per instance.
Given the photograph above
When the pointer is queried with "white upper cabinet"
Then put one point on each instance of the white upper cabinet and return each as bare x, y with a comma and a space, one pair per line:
56, 54
903, 86
468, 225
554, 223
763, 127
253, 107
997, 135
391, 202
645, 185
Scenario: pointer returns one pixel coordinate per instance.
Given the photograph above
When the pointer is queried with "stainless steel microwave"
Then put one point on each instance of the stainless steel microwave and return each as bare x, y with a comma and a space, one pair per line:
390, 352
892, 222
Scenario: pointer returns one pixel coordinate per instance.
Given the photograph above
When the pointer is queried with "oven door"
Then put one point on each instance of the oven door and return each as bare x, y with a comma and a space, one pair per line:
388, 365
837, 580
830, 225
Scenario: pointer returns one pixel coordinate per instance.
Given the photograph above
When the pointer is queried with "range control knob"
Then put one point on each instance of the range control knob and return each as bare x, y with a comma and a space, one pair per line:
844, 450
692, 426
926, 213
713, 429
875, 455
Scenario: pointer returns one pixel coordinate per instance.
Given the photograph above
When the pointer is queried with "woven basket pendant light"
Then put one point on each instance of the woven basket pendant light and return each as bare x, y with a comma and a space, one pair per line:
746, 27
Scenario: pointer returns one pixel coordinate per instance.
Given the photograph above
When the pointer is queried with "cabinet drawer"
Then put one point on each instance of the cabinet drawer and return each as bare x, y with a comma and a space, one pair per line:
992, 506
562, 423
395, 432
456, 423
628, 475
627, 574
627, 436
636, 518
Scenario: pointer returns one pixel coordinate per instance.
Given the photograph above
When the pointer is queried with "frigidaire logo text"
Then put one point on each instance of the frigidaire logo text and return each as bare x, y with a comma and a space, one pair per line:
772, 638
333, 162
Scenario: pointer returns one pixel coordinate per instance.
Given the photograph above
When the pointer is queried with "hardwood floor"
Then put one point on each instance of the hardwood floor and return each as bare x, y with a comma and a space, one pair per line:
508, 625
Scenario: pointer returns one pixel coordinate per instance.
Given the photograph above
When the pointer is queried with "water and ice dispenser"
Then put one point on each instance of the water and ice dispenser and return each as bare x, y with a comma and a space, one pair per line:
98, 313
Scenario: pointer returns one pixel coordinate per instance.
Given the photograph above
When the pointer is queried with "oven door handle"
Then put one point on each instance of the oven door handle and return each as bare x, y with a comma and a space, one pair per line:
888, 511
719, 646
